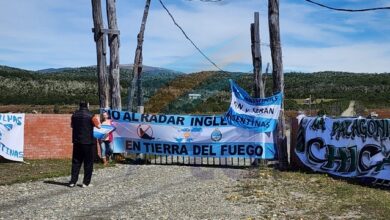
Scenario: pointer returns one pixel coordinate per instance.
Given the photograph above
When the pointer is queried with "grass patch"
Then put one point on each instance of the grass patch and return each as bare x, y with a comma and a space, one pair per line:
301, 195
15, 172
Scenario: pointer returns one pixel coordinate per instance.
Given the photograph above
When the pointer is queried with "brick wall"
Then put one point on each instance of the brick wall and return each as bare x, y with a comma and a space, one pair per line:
47, 136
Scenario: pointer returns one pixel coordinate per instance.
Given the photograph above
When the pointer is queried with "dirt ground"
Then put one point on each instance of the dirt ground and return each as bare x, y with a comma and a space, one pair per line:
191, 192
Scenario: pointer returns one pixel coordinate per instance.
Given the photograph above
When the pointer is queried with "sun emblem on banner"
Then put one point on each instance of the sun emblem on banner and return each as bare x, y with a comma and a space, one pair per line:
216, 135
187, 135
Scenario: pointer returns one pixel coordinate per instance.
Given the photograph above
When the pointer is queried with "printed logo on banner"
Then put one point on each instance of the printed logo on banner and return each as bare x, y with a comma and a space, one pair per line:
216, 135
145, 131
187, 135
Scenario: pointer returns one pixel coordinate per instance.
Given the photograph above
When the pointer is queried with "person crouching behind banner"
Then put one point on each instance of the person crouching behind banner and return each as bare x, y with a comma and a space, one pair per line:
83, 144
106, 142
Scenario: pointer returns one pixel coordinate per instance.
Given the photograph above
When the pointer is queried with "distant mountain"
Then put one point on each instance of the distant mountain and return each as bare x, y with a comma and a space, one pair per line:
12, 69
54, 70
129, 67
149, 68
69, 85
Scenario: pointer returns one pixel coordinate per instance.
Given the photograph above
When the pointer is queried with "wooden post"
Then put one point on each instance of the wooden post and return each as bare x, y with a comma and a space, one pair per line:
278, 76
113, 42
293, 141
310, 105
100, 40
137, 67
265, 76
258, 86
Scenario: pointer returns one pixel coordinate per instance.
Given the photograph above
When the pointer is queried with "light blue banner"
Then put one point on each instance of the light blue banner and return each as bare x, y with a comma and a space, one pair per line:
258, 114
190, 131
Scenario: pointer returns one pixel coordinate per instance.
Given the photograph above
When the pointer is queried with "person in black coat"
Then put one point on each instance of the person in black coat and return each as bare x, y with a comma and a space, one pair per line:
83, 144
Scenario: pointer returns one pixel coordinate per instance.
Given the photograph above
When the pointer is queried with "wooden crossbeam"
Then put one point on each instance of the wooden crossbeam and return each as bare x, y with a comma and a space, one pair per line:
107, 31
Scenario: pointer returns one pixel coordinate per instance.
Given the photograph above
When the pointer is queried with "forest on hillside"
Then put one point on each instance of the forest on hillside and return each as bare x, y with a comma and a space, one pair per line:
331, 92
167, 92
67, 87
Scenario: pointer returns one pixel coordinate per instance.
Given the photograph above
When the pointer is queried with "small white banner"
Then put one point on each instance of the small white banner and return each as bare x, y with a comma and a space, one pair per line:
12, 136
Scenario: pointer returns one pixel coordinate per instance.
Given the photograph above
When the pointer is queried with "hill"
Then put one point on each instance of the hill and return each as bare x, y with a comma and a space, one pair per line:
167, 91
127, 67
69, 85
331, 92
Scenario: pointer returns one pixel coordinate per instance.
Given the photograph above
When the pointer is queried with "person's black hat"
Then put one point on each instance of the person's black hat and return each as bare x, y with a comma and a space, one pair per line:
83, 104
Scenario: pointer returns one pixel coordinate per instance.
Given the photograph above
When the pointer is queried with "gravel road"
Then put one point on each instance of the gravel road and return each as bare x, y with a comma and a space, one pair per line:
132, 192
350, 111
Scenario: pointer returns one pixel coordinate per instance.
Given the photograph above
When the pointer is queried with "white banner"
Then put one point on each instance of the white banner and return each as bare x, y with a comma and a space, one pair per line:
12, 136
347, 147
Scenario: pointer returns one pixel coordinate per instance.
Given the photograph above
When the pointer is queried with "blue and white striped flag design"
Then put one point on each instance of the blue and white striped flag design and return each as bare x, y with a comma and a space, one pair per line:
259, 114
103, 131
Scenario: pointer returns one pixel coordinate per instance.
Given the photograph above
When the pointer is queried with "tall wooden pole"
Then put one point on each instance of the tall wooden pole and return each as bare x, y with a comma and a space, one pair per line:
100, 40
136, 81
113, 42
278, 76
265, 76
258, 86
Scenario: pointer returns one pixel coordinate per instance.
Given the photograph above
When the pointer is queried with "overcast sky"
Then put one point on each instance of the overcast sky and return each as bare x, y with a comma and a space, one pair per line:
39, 34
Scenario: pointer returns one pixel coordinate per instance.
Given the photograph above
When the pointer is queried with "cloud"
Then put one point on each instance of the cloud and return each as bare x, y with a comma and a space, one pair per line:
45, 33
54, 33
368, 57
207, 24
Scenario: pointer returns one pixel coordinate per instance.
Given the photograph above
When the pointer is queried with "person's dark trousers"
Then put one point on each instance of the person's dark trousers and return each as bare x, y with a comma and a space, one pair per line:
82, 153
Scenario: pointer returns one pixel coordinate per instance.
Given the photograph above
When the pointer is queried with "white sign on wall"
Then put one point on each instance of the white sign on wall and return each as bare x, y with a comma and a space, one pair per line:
12, 136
